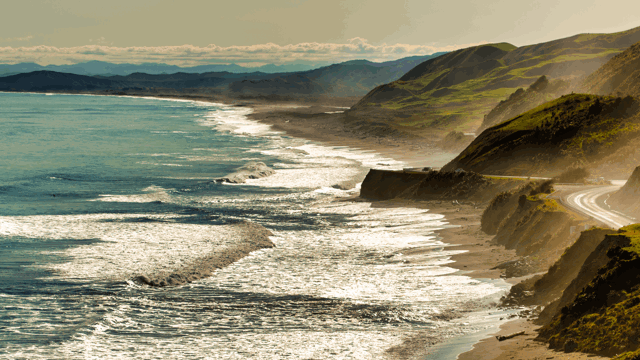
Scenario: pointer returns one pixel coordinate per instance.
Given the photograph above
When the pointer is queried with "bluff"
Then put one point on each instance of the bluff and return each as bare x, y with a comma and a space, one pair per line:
627, 199
432, 185
572, 130
603, 315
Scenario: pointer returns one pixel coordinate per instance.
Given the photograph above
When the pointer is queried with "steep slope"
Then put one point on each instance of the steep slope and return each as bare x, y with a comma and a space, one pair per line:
574, 129
602, 314
620, 75
455, 91
627, 199
522, 100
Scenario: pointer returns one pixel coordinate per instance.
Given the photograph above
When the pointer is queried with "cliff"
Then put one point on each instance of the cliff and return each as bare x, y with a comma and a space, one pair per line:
604, 315
432, 185
627, 199
619, 76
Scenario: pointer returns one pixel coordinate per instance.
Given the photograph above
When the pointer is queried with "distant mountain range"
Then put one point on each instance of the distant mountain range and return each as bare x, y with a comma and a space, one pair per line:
351, 78
110, 69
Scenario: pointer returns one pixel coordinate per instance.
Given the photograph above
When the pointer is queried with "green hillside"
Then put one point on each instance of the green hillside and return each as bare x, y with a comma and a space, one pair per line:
456, 90
575, 129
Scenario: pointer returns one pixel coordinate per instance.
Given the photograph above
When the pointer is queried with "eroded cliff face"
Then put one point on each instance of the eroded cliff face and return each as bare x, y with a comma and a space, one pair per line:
433, 185
602, 311
575, 268
627, 199
536, 227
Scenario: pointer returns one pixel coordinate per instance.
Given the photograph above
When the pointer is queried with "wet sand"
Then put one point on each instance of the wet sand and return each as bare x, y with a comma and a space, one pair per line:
523, 347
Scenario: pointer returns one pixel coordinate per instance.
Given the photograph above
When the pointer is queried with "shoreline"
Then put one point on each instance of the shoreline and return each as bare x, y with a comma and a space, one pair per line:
480, 256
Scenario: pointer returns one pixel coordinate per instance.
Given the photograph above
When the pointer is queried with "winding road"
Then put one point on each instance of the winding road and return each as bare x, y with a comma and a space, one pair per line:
591, 201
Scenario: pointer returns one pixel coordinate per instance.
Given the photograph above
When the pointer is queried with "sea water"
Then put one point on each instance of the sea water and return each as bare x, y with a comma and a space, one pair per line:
96, 190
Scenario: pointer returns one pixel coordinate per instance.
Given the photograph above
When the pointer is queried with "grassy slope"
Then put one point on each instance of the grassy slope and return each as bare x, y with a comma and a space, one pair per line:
573, 129
431, 96
605, 316
522, 100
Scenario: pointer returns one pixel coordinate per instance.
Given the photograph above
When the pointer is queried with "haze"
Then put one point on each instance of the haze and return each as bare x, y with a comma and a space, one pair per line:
343, 30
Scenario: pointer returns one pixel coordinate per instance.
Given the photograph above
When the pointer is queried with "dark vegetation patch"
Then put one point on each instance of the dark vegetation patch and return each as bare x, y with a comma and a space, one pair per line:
604, 316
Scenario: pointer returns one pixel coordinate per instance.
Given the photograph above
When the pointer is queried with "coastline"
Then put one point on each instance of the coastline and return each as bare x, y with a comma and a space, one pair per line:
480, 256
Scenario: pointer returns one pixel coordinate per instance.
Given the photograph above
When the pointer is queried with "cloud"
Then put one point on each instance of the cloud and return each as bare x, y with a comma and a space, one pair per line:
189, 55
24, 38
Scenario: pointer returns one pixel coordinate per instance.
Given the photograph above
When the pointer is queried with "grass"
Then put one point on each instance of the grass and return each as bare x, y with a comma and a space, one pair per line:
465, 107
576, 128
612, 330
633, 233
605, 316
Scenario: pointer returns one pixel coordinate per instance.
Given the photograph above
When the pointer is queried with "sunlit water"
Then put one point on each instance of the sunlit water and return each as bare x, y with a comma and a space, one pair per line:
96, 190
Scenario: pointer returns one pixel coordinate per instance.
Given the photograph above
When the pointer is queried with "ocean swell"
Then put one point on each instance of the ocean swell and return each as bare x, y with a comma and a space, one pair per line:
254, 237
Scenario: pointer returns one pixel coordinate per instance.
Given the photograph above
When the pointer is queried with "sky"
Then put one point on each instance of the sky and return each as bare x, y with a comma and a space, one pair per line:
258, 32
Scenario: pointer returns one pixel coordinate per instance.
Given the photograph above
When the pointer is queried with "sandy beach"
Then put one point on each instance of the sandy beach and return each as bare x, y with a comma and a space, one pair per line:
481, 256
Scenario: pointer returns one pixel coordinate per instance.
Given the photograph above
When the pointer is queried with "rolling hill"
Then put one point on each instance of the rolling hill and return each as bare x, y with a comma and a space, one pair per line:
456, 90
572, 130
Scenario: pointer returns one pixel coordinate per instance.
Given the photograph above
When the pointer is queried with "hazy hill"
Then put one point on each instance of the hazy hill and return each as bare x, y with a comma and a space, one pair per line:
110, 69
619, 75
523, 100
50, 80
455, 91
572, 130
352, 78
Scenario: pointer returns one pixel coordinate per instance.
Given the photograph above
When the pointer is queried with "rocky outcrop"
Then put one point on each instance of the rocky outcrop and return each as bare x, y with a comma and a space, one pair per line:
432, 185
535, 226
506, 203
252, 170
627, 199
602, 311
539, 230
571, 272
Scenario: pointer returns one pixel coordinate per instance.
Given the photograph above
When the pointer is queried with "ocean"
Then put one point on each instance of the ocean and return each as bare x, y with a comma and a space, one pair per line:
96, 191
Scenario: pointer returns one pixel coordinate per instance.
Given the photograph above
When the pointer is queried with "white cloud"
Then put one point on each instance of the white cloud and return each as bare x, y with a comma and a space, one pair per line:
189, 55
